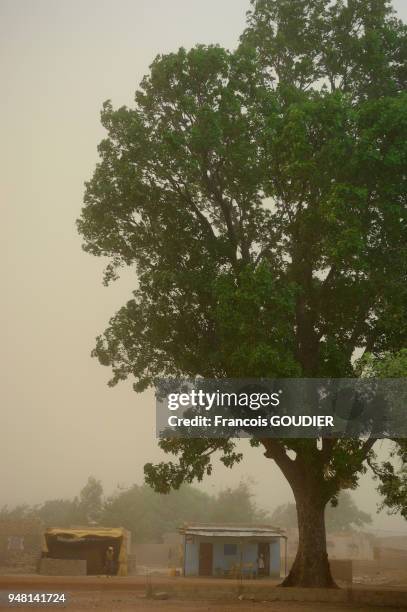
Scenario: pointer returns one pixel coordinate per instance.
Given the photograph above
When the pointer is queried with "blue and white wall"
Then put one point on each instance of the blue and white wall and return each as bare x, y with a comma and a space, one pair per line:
248, 554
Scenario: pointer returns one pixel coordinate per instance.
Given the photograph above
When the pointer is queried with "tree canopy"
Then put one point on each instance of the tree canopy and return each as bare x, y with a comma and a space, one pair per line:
261, 196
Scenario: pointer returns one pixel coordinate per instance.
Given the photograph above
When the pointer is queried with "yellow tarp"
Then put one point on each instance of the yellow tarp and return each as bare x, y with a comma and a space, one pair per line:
89, 532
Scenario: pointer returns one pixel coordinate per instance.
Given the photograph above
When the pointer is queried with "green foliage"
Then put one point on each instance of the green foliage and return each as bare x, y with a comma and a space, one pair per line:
18, 513
393, 480
385, 365
60, 513
82, 510
285, 516
90, 500
180, 193
194, 462
149, 515
392, 475
261, 196
344, 516
236, 506
358, 47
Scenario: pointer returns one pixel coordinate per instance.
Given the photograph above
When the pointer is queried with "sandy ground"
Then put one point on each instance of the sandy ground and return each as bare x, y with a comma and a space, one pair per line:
104, 602
187, 606
125, 594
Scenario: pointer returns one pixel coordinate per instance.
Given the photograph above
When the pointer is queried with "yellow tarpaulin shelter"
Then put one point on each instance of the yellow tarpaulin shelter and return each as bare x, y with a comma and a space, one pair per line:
89, 543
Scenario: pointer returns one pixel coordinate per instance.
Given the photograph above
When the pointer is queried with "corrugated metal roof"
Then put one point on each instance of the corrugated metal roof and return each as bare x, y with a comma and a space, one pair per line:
236, 531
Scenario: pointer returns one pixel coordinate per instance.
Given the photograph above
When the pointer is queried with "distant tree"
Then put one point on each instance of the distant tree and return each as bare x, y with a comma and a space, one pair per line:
84, 509
135, 509
236, 505
60, 512
16, 513
90, 501
189, 504
344, 516
149, 515
285, 516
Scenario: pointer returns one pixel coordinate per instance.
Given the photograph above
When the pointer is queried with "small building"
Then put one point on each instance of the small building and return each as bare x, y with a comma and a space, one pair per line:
20, 545
232, 550
167, 553
88, 544
19, 536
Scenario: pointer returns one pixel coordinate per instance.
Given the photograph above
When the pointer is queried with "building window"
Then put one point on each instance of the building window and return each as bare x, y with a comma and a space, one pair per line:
230, 549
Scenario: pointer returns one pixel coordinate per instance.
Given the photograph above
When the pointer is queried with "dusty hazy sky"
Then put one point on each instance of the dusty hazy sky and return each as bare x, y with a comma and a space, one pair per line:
59, 422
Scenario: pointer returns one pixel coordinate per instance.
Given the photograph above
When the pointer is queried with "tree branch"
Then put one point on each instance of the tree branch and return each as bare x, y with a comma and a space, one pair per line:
276, 451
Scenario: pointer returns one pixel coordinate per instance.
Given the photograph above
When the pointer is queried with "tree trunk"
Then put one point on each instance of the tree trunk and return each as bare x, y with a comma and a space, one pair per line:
311, 565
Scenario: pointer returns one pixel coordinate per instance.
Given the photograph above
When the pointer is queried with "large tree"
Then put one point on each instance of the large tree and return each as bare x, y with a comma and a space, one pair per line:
261, 196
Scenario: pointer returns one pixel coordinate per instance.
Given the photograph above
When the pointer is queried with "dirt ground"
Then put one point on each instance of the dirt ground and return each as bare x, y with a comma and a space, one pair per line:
125, 594
110, 601
123, 602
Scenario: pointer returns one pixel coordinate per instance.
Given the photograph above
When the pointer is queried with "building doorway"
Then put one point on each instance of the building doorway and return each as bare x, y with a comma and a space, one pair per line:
264, 553
205, 559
